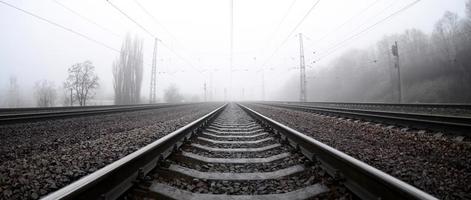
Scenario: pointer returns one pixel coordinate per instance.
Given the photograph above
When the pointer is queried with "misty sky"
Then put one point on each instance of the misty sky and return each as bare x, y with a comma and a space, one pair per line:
199, 32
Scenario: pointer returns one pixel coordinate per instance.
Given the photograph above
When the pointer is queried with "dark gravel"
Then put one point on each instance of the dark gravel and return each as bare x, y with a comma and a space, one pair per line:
313, 174
434, 163
38, 158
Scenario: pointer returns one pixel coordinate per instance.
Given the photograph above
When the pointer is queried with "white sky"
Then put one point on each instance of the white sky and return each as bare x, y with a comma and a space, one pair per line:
198, 30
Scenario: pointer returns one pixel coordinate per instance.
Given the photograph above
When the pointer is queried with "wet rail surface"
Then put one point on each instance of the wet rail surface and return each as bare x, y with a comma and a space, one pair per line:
234, 157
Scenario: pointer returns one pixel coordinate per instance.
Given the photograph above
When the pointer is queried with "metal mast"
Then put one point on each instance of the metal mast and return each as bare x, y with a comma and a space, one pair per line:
153, 81
395, 52
231, 46
263, 84
302, 69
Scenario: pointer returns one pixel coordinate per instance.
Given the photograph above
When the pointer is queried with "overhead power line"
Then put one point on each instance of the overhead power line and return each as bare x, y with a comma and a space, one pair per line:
130, 18
346, 22
157, 22
60, 26
280, 23
87, 19
374, 17
339, 45
154, 36
63, 28
291, 32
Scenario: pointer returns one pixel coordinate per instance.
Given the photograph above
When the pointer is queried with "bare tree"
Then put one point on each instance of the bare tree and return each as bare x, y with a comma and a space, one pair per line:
445, 35
172, 94
127, 72
434, 68
82, 81
468, 9
45, 93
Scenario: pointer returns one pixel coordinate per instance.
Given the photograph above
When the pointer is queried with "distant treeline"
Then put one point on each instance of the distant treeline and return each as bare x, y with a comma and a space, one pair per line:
434, 68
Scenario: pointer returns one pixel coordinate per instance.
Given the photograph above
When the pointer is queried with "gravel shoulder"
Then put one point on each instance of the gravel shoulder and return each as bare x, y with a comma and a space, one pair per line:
38, 158
436, 164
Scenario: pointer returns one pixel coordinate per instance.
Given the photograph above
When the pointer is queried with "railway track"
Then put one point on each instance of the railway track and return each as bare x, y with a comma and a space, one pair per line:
458, 125
431, 108
20, 115
237, 153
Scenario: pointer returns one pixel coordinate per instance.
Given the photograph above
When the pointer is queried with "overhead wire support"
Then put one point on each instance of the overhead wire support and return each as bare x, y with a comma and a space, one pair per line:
231, 46
302, 69
153, 78
61, 26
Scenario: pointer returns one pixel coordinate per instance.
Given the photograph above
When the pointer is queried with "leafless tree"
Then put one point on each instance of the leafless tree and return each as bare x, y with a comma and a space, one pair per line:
468, 8
434, 68
45, 93
82, 80
127, 72
446, 36
172, 94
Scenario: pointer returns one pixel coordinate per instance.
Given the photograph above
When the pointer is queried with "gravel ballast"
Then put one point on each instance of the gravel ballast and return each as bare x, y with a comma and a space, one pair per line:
258, 176
432, 162
41, 157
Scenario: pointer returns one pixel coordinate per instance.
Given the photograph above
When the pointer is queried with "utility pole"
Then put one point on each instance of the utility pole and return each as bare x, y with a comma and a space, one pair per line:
225, 94
395, 53
71, 98
153, 74
211, 88
231, 46
205, 93
302, 69
263, 84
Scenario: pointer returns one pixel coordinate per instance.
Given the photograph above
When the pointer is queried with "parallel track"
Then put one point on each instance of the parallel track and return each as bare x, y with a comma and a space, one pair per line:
227, 154
9, 116
421, 107
459, 125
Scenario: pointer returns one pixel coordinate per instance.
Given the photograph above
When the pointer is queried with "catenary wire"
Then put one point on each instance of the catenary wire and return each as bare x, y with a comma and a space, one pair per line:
291, 32
339, 45
60, 26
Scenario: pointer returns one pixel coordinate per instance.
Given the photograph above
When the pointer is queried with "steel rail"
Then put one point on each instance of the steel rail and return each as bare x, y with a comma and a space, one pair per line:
364, 180
456, 106
36, 116
113, 180
459, 125
58, 108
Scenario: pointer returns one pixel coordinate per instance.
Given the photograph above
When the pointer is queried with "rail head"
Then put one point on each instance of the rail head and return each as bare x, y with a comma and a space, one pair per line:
456, 125
114, 179
11, 118
464, 106
364, 180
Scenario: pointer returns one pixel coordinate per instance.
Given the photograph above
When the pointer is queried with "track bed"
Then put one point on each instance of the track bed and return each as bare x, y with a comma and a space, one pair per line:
235, 157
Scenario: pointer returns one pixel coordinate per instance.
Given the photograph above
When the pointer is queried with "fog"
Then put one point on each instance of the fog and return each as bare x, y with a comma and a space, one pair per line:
195, 48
